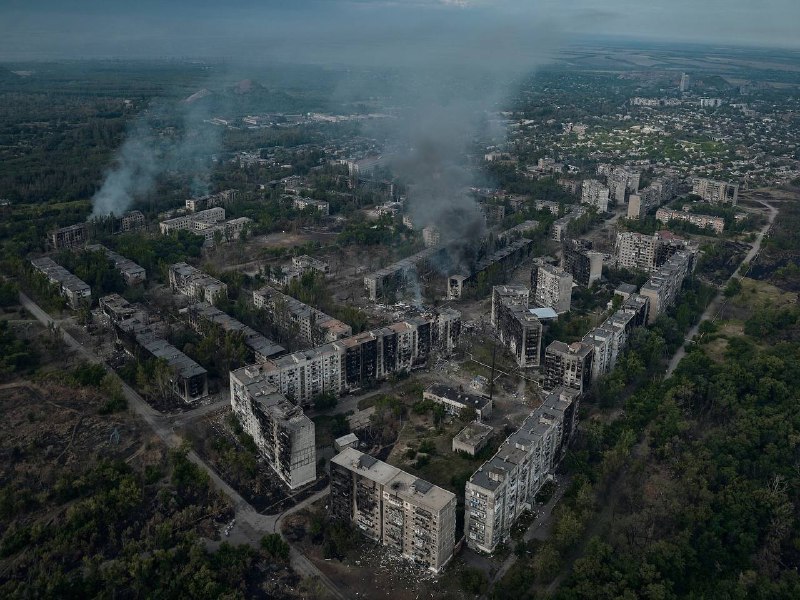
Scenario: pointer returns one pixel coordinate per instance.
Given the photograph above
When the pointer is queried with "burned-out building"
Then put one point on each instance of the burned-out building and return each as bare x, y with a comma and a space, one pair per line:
568, 365
551, 286
578, 259
66, 238
497, 265
406, 514
396, 278
283, 434
457, 400
516, 326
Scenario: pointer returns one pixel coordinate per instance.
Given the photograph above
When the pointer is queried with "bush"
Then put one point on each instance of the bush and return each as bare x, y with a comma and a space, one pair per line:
275, 546
474, 581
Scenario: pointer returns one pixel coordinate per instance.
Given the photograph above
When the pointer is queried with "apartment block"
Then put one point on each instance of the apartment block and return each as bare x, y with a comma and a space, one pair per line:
456, 400
646, 252
504, 259
560, 227
306, 263
516, 325
660, 191
716, 192
210, 201
620, 181
75, 290
185, 279
295, 318
131, 221
594, 193
73, 236
196, 222
551, 287
320, 206
131, 272
509, 294
717, 224
203, 316
189, 381
568, 365
410, 516
581, 262
665, 282
403, 274
506, 485
283, 434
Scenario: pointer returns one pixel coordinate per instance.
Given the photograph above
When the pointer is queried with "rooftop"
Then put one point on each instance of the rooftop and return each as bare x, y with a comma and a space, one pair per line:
454, 395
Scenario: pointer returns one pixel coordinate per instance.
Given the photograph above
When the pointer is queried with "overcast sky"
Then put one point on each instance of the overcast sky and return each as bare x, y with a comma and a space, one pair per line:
374, 31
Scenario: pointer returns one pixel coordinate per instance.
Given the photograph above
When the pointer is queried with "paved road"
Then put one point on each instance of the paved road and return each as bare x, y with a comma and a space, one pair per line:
250, 525
716, 305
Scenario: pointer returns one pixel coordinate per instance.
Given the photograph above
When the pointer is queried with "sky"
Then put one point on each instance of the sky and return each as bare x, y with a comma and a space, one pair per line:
374, 31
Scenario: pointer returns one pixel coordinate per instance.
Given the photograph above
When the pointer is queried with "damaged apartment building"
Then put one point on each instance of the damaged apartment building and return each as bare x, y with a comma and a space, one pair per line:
142, 338
496, 266
517, 328
283, 434
351, 363
299, 320
406, 514
131, 272
506, 485
189, 281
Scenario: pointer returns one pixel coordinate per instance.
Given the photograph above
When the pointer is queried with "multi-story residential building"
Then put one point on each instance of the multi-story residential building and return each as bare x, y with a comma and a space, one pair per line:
202, 316
594, 193
506, 485
553, 207
73, 236
75, 290
646, 252
319, 206
283, 435
210, 200
456, 400
509, 294
665, 282
188, 380
561, 226
581, 262
131, 221
715, 192
197, 222
431, 236
295, 318
504, 260
185, 279
130, 271
348, 364
551, 286
660, 191
414, 518
517, 327
307, 263
568, 365
405, 273
717, 224
620, 181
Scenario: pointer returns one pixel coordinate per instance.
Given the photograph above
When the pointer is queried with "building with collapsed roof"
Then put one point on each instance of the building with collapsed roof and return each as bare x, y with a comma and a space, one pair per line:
189, 281
456, 400
131, 272
411, 516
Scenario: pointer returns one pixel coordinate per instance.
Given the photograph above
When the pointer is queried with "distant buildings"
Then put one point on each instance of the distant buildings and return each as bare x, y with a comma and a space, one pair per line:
715, 192
660, 191
710, 102
717, 224
131, 272
211, 200
298, 319
320, 206
620, 181
189, 281
551, 287
594, 193
408, 515
581, 262
283, 435
76, 291
198, 221
73, 236
568, 365
517, 327
456, 400
506, 485
685, 82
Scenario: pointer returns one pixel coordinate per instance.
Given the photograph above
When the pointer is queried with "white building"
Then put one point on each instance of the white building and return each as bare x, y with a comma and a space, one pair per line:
551, 286
594, 193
